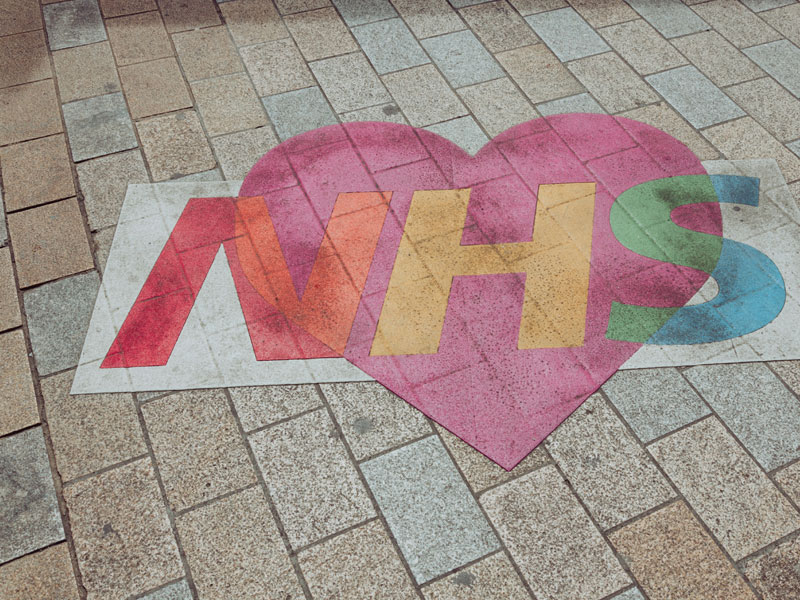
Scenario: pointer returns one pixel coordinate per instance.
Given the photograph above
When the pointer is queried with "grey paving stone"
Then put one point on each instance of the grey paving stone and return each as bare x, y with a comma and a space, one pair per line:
759, 5
294, 112
567, 34
694, 96
462, 58
58, 316
3, 228
654, 402
424, 95
29, 516
671, 17
73, 23
390, 45
463, 131
580, 103
794, 147
350, 82
757, 407
98, 126
359, 12
631, 594
463, 3
435, 520
174, 591
780, 59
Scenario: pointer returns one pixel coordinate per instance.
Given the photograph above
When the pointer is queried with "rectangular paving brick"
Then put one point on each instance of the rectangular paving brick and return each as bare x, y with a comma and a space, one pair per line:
123, 539
253, 21
567, 34
718, 59
29, 111
23, 58
490, 577
118, 8
654, 402
601, 13
498, 26
435, 520
296, 112
785, 20
390, 46
73, 23
315, 487
771, 105
372, 418
29, 515
671, 17
276, 67
694, 96
288, 7
558, 549
10, 316
463, 131
49, 242
350, 82
778, 59
44, 574
672, 556
358, 12
789, 372
154, 87
180, 15
85, 71
58, 316
577, 103
360, 563
207, 53
89, 432
538, 73
427, 18
138, 38
775, 574
98, 126
613, 83
424, 96
708, 467
608, 469
20, 16
175, 145
761, 5
234, 550
462, 59
197, 447
736, 23
757, 407
174, 591
642, 47
22, 168
238, 152
744, 139
228, 104
18, 408
320, 34
263, 405
498, 105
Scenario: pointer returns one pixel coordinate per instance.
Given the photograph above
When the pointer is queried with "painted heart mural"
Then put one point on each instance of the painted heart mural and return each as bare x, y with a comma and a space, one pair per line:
493, 292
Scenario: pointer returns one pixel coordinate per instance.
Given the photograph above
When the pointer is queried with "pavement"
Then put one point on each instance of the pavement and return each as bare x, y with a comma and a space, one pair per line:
678, 479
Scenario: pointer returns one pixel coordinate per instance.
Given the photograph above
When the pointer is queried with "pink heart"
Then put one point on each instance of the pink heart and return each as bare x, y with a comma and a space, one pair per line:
501, 400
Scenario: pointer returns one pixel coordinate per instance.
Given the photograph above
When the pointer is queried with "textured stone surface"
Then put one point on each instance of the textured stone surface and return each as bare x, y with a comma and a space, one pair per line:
89, 432
241, 529
320, 34
567, 34
551, 538
122, 535
276, 67
98, 126
462, 59
789, 372
670, 17
654, 402
49, 242
752, 401
238, 152
775, 574
775, 108
197, 447
436, 522
73, 23
118, 8
296, 112
666, 119
58, 315
740, 26
498, 105
427, 18
538, 73
17, 397
498, 26
253, 21
490, 577
608, 470
180, 16
29, 111
29, 516
642, 47
44, 574
138, 38
463, 131
360, 563
735, 499
315, 487
206, 53
23, 58
103, 182
717, 58
390, 46
174, 145
372, 418
20, 16
423, 95
672, 556
263, 405
615, 85
9, 303
22, 168
174, 591
350, 82
577, 103
85, 71
358, 12
228, 104
154, 87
